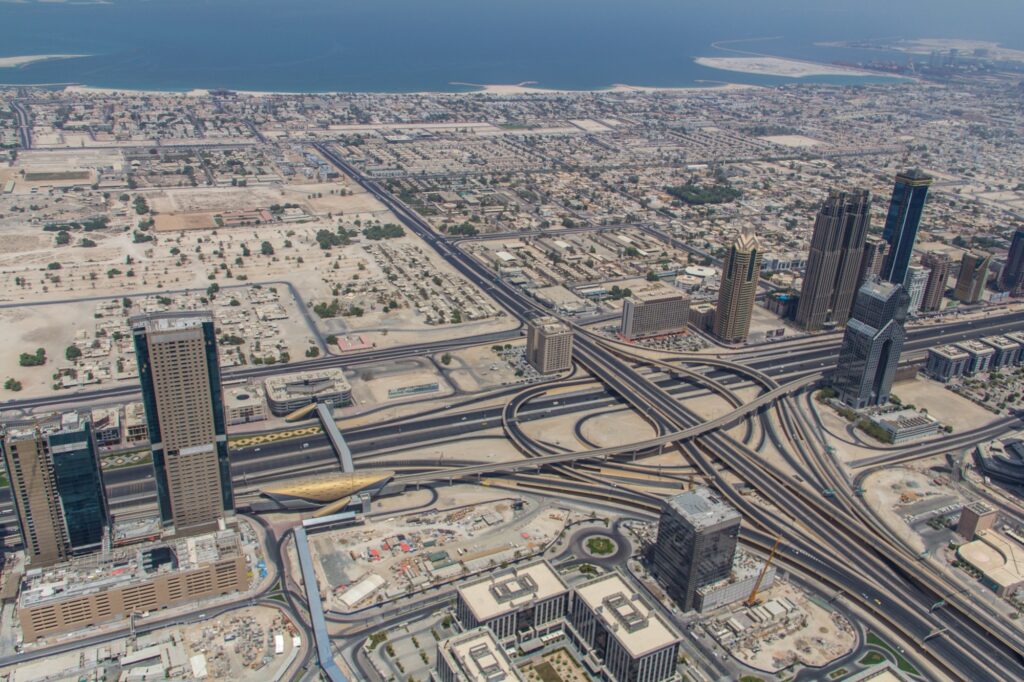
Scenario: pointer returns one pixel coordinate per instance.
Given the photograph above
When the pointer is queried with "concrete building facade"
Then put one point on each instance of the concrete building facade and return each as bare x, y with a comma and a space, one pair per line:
517, 603
622, 632
970, 283
1011, 279
834, 261
975, 516
549, 345
738, 288
871, 259
473, 656
939, 265
653, 310
945, 363
184, 405
288, 392
917, 282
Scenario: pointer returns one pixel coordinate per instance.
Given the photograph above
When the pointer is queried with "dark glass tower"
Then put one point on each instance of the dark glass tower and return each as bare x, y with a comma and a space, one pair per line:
56, 487
902, 223
697, 535
872, 344
181, 391
1012, 277
834, 261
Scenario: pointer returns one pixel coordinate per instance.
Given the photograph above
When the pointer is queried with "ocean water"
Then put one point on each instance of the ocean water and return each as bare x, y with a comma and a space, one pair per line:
427, 45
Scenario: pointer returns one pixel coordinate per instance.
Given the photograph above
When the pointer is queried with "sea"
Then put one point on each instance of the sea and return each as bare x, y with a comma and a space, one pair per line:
443, 45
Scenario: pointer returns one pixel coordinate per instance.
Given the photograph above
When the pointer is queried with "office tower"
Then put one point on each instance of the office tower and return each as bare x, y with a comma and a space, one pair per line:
970, 283
834, 261
871, 258
56, 487
902, 223
549, 345
655, 309
939, 265
872, 344
516, 604
917, 281
631, 640
181, 392
1012, 277
696, 542
738, 288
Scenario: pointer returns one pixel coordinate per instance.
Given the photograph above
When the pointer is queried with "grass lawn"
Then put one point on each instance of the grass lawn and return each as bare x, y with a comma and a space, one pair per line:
873, 658
751, 678
835, 674
600, 545
901, 663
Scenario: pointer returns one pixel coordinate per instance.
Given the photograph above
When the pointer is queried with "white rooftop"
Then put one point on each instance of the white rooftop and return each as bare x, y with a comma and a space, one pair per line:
634, 624
510, 590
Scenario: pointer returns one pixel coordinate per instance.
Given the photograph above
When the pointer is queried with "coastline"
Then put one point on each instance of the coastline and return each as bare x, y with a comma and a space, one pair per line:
25, 60
487, 89
782, 67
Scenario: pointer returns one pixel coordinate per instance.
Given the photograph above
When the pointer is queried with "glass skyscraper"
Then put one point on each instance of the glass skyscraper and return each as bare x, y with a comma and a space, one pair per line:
872, 344
697, 535
56, 487
902, 223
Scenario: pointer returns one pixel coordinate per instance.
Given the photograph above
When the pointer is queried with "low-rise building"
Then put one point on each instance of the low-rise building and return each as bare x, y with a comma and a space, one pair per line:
946, 363
979, 356
473, 656
104, 587
136, 428
288, 392
244, 404
655, 309
975, 516
1007, 351
106, 426
1002, 459
517, 603
745, 571
702, 316
906, 425
999, 560
627, 639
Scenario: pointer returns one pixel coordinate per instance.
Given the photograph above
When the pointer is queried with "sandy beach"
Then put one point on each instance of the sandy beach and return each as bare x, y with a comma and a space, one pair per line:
527, 88
776, 66
24, 60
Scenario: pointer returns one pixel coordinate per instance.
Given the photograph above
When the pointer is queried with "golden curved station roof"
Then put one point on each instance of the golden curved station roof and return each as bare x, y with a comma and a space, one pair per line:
333, 489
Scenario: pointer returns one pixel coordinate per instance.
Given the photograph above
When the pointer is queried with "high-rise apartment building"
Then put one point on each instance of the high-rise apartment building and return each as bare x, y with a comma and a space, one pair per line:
56, 487
872, 344
697, 534
917, 282
181, 392
970, 283
871, 258
549, 345
902, 222
834, 261
1012, 277
738, 288
655, 309
939, 265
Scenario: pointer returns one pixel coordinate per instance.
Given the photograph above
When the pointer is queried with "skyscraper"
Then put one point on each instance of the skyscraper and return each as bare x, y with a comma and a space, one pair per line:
740, 275
917, 282
970, 283
697, 534
834, 261
1012, 277
902, 223
939, 265
872, 344
871, 259
56, 487
181, 392
549, 345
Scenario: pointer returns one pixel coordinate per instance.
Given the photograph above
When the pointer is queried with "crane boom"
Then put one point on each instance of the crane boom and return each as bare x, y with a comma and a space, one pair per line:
752, 599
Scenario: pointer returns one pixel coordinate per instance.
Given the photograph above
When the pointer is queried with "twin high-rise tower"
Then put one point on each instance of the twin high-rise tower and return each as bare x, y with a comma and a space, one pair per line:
181, 393
834, 261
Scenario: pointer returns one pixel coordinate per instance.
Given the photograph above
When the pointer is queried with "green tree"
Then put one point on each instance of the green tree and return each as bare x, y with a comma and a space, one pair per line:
267, 249
72, 352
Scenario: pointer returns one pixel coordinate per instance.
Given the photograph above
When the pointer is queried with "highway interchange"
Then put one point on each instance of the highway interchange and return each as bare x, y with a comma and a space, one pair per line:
832, 541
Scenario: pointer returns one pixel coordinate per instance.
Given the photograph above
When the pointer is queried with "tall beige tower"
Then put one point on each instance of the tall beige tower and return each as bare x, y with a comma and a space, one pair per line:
939, 264
181, 391
549, 345
970, 283
740, 274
